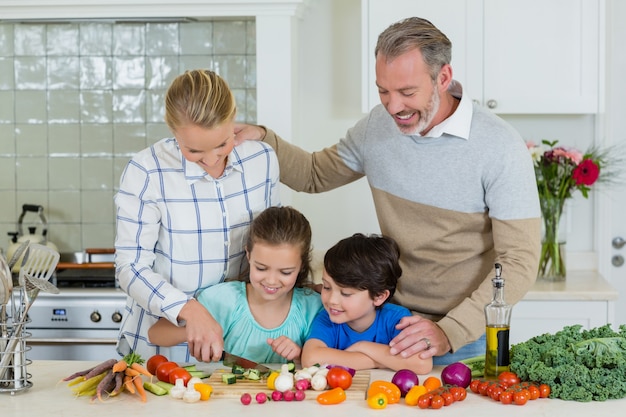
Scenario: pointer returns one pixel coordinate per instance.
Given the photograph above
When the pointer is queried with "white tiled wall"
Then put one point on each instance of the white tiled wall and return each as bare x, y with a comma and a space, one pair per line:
78, 99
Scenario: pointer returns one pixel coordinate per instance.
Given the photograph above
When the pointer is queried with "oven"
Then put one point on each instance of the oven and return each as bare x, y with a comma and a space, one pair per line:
82, 322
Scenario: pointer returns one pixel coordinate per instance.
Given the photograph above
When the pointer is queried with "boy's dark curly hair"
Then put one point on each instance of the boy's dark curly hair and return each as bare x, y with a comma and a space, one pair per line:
365, 263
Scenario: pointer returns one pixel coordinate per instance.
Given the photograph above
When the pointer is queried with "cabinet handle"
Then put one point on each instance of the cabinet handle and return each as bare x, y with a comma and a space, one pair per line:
492, 104
618, 242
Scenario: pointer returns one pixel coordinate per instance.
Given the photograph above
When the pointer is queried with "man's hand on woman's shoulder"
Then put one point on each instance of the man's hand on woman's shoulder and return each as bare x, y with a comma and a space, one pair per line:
248, 132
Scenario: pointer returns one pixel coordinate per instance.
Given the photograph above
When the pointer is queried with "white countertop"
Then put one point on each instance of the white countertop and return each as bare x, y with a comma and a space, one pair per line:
49, 396
578, 286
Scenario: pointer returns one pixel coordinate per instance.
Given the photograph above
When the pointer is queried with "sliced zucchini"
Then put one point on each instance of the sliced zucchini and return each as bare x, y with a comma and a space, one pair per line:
238, 370
229, 378
154, 388
254, 374
165, 385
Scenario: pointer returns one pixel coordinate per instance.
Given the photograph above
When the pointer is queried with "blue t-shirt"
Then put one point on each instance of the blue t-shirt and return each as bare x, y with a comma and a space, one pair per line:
341, 336
243, 336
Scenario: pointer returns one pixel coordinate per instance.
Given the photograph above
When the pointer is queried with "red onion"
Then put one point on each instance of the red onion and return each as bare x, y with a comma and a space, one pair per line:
405, 379
350, 370
457, 374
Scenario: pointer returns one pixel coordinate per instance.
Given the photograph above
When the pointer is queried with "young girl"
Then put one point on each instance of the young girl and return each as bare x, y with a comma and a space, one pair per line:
266, 318
354, 329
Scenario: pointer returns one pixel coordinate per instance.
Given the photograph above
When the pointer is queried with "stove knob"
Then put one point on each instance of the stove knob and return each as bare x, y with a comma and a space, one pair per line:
116, 317
95, 317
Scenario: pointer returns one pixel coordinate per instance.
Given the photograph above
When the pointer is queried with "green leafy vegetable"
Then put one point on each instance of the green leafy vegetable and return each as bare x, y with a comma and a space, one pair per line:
476, 365
587, 365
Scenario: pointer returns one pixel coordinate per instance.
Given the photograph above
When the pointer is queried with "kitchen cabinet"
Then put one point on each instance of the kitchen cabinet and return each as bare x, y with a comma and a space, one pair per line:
531, 57
584, 298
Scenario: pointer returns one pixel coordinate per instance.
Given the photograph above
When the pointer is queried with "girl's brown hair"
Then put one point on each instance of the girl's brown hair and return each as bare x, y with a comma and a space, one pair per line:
284, 225
199, 97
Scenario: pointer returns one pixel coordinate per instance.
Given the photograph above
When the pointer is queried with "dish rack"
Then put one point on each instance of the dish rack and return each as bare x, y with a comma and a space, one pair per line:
14, 377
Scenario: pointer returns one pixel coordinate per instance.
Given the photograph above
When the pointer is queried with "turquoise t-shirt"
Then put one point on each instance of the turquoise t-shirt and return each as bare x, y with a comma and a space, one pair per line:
243, 336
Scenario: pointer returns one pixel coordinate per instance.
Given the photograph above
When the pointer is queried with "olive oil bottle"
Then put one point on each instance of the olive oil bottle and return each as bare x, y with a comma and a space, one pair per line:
498, 319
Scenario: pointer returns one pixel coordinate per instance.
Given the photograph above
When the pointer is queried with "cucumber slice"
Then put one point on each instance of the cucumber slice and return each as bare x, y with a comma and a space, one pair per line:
154, 388
165, 385
199, 374
229, 378
238, 370
254, 374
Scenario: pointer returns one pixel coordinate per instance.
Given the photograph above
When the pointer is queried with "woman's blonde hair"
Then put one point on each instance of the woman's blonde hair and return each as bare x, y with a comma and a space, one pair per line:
199, 97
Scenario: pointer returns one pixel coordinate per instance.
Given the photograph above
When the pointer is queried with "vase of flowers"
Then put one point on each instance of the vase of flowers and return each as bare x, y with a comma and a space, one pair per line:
561, 171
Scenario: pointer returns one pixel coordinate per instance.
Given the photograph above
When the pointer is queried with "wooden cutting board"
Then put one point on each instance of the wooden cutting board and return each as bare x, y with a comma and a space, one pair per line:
357, 391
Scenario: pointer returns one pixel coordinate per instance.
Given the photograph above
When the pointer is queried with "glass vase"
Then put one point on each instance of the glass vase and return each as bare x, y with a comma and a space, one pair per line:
552, 260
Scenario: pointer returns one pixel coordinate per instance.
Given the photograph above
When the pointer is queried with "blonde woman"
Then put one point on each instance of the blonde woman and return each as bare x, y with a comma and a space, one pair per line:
184, 207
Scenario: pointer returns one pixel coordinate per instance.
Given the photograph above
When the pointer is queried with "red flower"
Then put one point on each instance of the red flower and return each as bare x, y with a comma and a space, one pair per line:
586, 173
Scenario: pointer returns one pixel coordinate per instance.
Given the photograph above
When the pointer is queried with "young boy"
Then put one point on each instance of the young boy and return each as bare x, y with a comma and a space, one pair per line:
354, 329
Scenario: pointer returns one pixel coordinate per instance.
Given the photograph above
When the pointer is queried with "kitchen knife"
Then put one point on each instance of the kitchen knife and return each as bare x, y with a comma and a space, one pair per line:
229, 360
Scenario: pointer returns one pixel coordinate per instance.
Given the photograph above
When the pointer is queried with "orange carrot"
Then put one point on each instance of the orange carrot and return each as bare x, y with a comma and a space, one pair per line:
141, 369
132, 372
120, 366
128, 383
140, 389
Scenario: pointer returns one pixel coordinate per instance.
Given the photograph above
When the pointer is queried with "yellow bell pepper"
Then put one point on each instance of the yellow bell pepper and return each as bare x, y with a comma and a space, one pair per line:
378, 401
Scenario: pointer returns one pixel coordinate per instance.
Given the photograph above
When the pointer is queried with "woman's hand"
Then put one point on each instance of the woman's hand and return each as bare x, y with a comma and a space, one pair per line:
285, 347
204, 335
419, 335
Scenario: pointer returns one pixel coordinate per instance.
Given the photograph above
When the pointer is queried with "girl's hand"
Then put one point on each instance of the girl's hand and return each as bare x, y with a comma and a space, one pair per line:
285, 347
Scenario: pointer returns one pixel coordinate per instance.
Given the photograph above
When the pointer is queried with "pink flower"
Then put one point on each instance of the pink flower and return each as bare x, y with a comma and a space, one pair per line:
573, 155
586, 173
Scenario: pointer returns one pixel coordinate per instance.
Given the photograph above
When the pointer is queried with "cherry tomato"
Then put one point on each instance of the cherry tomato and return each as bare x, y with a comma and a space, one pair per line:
155, 361
339, 377
495, 392
544, 391
473, 386
179, 373
448, 398
483, 387
437, 402
424, 400
506, 397
163, 371
508, 378
520, 397
459, 393
533, 392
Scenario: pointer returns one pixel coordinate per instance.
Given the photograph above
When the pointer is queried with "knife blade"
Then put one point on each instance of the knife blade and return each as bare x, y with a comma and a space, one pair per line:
229, 360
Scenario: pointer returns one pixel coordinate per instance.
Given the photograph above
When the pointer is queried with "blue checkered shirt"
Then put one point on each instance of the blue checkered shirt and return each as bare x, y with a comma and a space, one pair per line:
180, 230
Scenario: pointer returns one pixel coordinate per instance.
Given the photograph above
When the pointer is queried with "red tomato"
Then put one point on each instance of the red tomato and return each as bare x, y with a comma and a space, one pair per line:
155, 361
424, 400
533, 390
339, 377
506, 397
520, 397
544, 391
508, 378
163, 371
179, 373
436, 402
448, 398
474, 385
